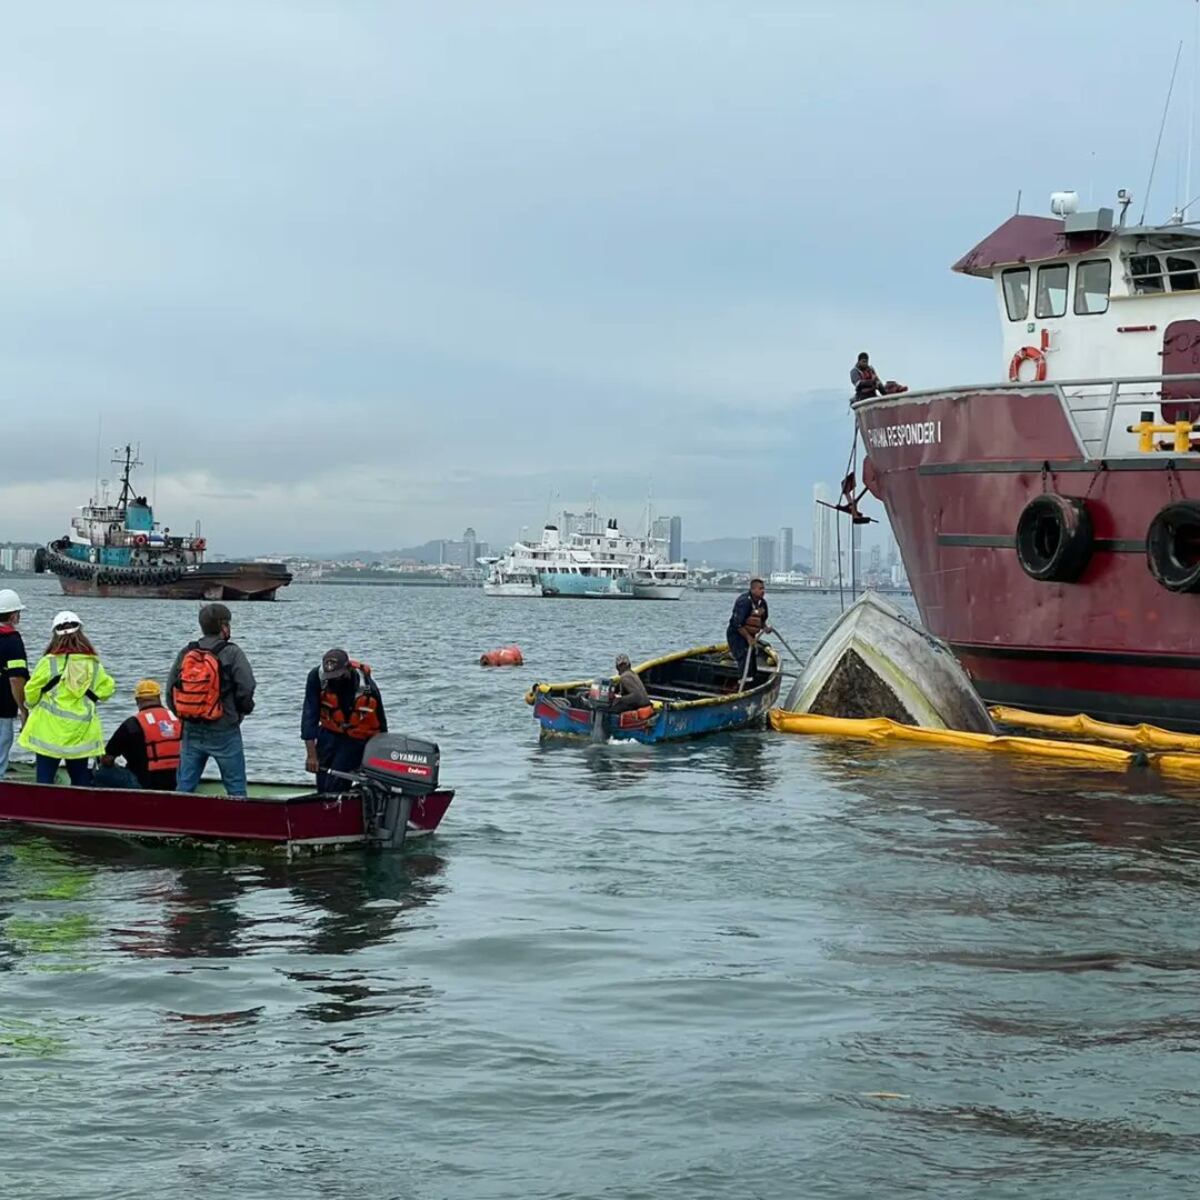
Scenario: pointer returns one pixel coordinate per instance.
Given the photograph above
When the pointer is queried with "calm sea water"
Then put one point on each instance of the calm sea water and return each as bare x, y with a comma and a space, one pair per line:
752, 966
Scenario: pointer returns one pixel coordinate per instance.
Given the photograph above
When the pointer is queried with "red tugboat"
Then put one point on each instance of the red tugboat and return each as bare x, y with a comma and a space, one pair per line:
1050, 521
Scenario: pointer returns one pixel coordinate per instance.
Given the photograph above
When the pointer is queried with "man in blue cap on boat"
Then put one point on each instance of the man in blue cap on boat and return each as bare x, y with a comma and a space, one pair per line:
746, 622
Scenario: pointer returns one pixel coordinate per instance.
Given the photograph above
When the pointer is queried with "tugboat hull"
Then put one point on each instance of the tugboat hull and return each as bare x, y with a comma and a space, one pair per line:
206, 581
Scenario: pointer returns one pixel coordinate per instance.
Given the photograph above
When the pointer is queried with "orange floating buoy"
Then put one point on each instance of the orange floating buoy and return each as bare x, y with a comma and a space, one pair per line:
506, 656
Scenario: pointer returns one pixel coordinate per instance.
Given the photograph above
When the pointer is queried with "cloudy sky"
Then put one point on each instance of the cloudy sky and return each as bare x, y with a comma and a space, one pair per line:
358, 274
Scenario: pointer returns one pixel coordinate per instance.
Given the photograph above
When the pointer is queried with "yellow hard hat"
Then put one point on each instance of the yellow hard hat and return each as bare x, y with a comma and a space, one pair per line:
146, 689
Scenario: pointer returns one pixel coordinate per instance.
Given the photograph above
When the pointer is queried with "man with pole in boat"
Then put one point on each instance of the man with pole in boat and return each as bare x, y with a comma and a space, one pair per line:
746, 622
342, 711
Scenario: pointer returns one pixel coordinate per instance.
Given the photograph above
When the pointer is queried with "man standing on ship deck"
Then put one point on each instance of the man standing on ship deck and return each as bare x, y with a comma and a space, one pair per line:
863, 378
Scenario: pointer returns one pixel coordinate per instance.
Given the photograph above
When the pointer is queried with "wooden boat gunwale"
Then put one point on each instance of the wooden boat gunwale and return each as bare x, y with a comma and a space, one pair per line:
773, 675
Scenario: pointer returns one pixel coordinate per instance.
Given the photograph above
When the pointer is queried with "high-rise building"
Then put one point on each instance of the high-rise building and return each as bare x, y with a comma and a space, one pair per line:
785, 549
570, 523
762, 557
876, 559
676, 540
470, 547
823, 567
6, 558
660, 531
24, 559
856, 563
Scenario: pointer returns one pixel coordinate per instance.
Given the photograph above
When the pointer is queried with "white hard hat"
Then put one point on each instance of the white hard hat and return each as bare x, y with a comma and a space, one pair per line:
65, 622
10, 601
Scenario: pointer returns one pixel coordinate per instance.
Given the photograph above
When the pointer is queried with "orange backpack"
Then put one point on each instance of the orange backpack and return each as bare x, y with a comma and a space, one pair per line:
196, 695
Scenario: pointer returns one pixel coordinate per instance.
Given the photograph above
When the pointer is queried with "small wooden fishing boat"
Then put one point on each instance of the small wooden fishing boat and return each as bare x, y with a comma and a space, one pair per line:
874, 661
391, 799
692, 692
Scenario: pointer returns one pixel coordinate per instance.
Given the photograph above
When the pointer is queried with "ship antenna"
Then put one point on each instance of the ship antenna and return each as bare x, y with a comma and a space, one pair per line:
1018, 202
1161, 126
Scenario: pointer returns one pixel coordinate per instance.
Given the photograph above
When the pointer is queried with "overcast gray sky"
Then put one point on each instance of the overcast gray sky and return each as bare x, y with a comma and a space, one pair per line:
362, 274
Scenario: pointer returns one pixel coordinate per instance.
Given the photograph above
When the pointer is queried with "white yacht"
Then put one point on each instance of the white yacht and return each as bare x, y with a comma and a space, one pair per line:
651, 576
559, 571
504, 578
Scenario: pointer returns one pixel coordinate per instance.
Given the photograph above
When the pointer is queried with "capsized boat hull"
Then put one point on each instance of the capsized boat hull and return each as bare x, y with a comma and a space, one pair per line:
276, 815
876, 662
694, 692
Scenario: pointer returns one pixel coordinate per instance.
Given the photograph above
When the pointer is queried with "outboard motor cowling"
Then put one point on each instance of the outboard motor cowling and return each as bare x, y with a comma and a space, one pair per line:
396, 770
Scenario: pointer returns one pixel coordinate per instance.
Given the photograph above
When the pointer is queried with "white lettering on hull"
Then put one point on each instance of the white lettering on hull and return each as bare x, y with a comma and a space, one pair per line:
915, 433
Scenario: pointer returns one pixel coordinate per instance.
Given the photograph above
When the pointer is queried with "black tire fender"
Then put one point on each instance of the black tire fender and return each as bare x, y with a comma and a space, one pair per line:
1173, 546
1054, 538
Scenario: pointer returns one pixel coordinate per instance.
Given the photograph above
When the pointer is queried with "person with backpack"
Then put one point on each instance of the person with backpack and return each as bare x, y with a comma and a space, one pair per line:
342, 711
211, 687
67, 684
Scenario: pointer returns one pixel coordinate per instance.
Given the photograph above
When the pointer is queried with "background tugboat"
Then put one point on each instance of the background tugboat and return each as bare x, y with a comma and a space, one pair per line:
118, 550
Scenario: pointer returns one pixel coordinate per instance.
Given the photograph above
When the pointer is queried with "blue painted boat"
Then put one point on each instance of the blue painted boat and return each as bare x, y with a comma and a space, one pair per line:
692, 692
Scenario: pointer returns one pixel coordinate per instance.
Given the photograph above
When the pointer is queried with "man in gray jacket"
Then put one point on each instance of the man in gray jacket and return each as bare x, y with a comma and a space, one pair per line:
211, 687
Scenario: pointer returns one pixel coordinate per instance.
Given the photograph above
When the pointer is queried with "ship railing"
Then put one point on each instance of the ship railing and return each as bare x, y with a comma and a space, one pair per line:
1099, 411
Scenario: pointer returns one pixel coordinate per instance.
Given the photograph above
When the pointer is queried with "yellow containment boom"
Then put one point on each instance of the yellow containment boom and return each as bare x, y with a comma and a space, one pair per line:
1083, 754
881, 729
1144, 737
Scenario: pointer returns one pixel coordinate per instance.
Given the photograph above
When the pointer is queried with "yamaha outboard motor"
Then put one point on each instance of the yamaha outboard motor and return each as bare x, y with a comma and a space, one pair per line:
599, 700
396, 770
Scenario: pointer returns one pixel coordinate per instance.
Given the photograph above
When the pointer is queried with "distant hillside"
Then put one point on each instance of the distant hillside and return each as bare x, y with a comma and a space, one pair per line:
732, 553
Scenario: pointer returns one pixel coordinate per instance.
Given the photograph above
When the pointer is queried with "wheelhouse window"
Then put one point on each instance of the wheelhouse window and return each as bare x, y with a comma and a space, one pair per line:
1092, 282
1016, 292
1184, 277
1052, 290
1145, 274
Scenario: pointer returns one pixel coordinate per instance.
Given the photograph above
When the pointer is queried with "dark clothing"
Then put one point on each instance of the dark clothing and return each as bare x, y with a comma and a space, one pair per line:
13, 665
335, 751
744, 607
865, 382
631, 692
344, 689
78, 771
237, 682
117, 777
129, 743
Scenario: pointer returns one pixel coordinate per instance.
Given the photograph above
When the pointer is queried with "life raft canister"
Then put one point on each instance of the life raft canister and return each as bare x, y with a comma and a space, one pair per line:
1054, 538
506, 656
1173, 546
1028, 354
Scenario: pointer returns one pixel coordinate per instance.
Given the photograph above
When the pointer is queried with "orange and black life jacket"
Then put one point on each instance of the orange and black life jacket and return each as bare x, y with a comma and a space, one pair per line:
362, 722
161, 729
197, 692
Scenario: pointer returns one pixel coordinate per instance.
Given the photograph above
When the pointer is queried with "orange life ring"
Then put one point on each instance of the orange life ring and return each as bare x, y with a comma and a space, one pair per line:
140, 540
1027, 354
199, 544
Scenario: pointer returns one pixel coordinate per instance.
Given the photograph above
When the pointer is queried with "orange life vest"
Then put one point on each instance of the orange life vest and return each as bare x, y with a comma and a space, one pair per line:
363, 720
161, 729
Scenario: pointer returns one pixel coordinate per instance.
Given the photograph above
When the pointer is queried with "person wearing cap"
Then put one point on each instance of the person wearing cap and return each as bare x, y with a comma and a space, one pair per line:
342, 711
630, 690
149, 743
219, 735
14, 670
62, 696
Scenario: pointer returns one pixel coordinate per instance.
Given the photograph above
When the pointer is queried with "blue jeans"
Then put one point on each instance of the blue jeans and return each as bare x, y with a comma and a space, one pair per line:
221, 743
78, 771
7, 726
